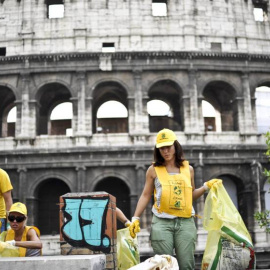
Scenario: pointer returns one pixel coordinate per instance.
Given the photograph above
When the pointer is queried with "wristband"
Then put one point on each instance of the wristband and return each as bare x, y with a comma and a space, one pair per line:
135, 218
11, 242
206, 188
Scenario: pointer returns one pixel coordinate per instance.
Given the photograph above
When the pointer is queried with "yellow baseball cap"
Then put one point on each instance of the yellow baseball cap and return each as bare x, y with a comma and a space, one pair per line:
18, 207
165, 137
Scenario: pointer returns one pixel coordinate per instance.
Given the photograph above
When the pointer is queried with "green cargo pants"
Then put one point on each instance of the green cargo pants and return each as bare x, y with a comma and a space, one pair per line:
179, 234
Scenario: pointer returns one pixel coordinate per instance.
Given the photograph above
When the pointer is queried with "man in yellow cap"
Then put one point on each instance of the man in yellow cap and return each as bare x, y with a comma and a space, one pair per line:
26, 238
5, 198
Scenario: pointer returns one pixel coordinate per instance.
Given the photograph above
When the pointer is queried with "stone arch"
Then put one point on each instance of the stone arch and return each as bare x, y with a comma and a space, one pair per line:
165, 78
92, 88
45, 176
108, 174
222, 96
7, 101
55, 81
260, 82
48, 96
110, 91
202, 85
47, 195
120, 190
170, 92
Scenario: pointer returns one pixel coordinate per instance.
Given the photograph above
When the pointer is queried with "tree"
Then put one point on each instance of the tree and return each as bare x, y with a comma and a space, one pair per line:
263, 218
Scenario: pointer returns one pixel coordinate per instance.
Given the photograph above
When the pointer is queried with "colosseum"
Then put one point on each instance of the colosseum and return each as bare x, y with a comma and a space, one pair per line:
86, 84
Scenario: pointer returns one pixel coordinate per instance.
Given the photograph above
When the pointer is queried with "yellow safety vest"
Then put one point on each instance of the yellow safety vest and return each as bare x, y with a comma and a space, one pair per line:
11, 235
176, 195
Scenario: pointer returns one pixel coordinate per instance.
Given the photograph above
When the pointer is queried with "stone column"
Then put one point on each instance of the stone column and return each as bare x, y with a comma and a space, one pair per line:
239, 104
23, 112
81, 82
140, 175
32, 209
185, 101
26, 115
140, 114
22, 183
198, 178
194, 121
189, 27
248, 122
131, 113
81, 179
80, 126
26, 31
260, 236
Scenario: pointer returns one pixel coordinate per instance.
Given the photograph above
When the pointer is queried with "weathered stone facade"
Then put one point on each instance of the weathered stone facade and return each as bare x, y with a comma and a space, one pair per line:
202, 50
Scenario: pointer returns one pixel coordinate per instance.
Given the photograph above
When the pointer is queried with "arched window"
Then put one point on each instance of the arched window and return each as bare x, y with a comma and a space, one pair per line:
158, 108
212, 120
112, 117
60, 119
161, 115
11, 122
262, 95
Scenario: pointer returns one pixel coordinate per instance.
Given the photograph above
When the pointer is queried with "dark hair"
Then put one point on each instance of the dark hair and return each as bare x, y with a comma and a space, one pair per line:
179, 156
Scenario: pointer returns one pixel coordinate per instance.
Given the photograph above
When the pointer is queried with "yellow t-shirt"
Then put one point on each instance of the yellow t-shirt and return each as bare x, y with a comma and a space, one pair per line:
5, 186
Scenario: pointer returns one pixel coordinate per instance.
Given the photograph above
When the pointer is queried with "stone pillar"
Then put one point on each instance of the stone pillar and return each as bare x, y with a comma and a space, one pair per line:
189, 27
131, 113
248, 122
260, 236
185, 101
198, 178
81, 184
140, 181
79, 104
26, 115
135, 28
22, 183
140, 115
239, 104
26, 31
32, 211
194, 121
23, 115
81, 82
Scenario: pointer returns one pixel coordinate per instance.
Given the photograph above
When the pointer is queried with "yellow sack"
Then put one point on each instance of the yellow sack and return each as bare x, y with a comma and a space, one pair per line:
229, 244
127, 250
7, 250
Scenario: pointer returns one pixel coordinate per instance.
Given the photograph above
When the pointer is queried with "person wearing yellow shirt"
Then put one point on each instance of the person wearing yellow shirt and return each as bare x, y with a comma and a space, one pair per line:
171, 179
5, 198
26, 238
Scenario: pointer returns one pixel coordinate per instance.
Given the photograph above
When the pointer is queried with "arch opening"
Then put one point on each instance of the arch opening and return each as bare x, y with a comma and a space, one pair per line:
49, 96
222, 97
120, 191
262, 95
47, 194
61, 119
110, 108
165, 94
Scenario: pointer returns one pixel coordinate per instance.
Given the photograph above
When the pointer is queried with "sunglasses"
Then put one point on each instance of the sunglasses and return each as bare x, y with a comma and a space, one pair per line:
18, 218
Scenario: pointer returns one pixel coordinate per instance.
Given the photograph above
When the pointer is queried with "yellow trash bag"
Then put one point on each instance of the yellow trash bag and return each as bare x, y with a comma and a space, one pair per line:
127, 250
229, 244
7, 250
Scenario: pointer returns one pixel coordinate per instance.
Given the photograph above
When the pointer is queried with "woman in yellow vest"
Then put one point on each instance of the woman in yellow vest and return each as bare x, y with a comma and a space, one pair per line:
26, 238
171, 179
